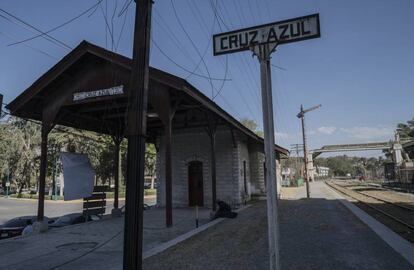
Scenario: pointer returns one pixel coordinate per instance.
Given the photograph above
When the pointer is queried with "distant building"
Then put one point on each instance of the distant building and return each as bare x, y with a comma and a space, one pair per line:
321, 171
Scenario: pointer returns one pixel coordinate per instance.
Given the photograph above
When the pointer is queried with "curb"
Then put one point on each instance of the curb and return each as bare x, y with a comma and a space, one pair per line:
185, 236
396, 242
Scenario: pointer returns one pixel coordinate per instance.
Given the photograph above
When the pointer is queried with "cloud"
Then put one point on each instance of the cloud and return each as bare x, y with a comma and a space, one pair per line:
327, 130
282, 135
367, 133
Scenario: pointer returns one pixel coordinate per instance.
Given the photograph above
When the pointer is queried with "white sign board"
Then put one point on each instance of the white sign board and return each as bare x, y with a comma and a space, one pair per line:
116, 90
7, 184
287, 31
78, 176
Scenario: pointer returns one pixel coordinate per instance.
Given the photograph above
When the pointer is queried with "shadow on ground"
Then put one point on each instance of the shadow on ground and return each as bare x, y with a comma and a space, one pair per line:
315, 234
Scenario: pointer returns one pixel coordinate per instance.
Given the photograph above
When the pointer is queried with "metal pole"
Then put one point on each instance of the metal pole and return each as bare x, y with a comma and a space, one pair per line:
136, 131
305, 154
263, 53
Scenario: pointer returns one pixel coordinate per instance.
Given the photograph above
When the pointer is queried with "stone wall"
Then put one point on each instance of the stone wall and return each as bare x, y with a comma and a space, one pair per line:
257, 160
194, 145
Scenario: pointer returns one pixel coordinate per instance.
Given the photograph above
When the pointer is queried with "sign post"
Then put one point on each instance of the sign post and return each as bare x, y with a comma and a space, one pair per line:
262, 40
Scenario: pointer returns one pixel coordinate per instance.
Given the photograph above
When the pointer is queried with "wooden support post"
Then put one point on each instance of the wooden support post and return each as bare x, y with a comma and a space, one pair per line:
137, 109
168, 174
211, 131
213, 169
42, 176
117, 143
160, 99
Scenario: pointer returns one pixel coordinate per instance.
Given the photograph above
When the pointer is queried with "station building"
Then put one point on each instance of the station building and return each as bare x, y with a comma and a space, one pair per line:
203, 153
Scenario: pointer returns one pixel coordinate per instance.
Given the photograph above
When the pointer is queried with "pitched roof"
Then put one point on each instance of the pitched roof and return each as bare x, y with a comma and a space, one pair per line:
30, 103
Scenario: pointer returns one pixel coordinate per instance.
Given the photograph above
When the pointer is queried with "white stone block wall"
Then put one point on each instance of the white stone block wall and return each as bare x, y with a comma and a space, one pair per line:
257, 159
191, 145
243, 156
194, 145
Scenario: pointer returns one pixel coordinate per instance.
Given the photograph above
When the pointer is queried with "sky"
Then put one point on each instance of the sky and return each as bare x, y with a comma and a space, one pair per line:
360, 69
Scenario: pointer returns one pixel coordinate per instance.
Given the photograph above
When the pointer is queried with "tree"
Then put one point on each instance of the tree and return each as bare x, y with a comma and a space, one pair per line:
20, 145
342, 165
406, 130
252, 125
20, 152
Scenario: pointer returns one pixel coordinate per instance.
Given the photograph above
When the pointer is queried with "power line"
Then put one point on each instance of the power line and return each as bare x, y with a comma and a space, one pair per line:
217, 15
125, 7
59, 26
56, 41
183, 68
31, 47
122, 28
193, 44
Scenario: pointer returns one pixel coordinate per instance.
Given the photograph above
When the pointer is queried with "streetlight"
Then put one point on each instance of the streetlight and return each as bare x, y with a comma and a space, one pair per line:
301, 115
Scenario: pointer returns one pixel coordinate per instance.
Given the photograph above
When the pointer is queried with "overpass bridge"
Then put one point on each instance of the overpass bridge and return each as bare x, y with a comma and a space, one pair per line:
395, 147
352, 147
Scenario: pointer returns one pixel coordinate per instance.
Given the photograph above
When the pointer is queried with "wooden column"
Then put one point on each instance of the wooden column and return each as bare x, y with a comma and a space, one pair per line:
117, 143
42, 176
137, 90
213, 168
168, 174
211, 131
160, 99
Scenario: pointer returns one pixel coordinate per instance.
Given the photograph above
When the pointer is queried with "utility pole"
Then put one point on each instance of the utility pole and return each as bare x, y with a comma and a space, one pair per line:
263, 41
295, 147
137, 91
263, 53
301, 115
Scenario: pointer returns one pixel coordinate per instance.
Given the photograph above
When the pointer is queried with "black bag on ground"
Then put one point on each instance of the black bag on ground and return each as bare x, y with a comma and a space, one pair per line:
224, 210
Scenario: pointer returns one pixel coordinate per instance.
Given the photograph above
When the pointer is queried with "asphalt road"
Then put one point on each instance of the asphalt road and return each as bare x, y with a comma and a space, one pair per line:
10, 208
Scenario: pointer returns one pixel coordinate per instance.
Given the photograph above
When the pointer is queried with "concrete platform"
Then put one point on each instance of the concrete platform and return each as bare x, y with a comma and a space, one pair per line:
316, 233
94, 245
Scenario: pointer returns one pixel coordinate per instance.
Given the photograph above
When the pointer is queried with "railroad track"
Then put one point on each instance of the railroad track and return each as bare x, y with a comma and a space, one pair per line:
385, 201
409, 212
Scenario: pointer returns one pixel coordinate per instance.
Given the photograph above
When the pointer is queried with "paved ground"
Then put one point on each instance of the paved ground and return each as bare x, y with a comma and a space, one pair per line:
318, 233
10, 208
95, 245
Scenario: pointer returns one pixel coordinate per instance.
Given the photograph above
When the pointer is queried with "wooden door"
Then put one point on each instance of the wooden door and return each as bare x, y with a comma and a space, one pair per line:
195, 184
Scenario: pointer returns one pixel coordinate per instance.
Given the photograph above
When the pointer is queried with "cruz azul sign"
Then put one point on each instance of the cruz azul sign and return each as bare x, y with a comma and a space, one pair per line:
116, 90
287, 31
262, 41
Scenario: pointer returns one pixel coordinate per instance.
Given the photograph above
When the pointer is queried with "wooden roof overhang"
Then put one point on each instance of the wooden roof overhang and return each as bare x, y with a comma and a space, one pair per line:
89, 68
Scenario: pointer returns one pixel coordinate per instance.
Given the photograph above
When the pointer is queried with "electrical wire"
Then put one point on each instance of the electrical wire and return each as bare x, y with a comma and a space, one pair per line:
182, 67
122, 29
124, 7
107, 28
55, 41
59, 26
112, 22
30, 47
193, 44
